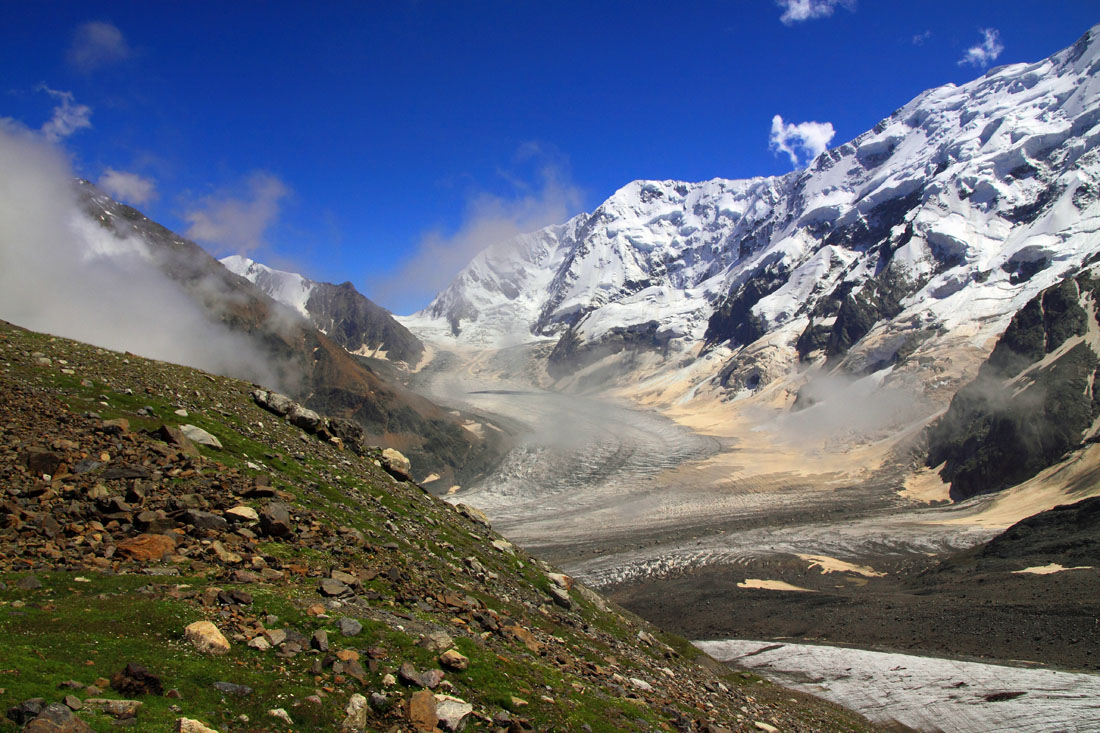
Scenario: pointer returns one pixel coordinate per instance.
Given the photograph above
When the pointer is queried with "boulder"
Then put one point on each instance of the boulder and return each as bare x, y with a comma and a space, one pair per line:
272, 401
198, 435
304, 418
396, 464
135, 679
452, 712
57, 718
454, 659
206, 638
204, 520
187, 725
356, 712
421, 712
436, 641
146, 547
275, 520
40, 461
348, 627
242, 514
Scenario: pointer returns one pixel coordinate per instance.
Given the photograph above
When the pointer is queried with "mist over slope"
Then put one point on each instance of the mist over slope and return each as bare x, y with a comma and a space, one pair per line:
944, 219
77, 263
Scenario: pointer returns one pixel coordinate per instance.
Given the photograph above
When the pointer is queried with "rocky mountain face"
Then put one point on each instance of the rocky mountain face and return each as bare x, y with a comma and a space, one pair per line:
339, 311
309, 365
252, 577
1032, 402
945, 218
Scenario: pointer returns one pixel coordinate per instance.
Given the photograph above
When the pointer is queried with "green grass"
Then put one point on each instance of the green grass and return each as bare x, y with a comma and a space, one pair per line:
71, 630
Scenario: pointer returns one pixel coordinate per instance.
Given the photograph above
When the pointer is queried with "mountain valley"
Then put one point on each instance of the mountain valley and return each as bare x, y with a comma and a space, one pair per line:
843, 417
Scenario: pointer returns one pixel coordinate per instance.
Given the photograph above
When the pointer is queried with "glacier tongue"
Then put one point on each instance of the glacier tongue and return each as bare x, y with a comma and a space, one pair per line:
952, 212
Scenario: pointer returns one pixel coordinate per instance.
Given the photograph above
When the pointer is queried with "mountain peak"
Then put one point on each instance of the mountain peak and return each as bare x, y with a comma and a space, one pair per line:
956, 209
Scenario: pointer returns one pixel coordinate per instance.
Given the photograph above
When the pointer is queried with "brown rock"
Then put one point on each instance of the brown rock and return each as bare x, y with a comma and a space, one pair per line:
174, 436
136, 680
40, 461
524, 635
421, 712
146, 547
454, 659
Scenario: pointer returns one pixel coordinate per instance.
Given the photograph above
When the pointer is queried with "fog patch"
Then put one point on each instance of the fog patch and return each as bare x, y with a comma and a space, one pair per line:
128, 187
489, 220
238, 222
837, 408
65, 274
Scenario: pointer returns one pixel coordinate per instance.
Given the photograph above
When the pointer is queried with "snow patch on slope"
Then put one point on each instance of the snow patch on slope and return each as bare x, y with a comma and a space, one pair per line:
288, 288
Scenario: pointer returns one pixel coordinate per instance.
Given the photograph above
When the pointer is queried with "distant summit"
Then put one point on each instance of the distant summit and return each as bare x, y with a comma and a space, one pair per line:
952, 212
340, 311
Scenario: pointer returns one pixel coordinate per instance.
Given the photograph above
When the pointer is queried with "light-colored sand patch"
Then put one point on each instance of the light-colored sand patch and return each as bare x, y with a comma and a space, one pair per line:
834, 565
1050, 569
376, 353
430, 478
425, 358
927, 486
1070, 481
772, 585
476, 428
453, 490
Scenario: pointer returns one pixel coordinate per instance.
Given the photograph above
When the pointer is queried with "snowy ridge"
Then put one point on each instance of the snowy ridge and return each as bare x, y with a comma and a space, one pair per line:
288, 288
955, 210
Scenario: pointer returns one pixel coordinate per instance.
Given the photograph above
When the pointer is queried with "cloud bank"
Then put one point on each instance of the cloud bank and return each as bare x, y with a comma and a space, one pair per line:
811, 138
796, 11
128, 187
97, 44
64, 273
489, 219
238, 224
986, 52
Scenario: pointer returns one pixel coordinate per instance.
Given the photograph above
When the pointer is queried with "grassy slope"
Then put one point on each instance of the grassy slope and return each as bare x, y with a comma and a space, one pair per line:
94, 613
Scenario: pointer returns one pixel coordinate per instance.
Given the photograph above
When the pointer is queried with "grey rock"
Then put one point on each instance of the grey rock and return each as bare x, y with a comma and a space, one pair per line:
453, 712
232, 688
204, 520
57, 718
273, 401
349, 627
197, 435
304, 418
332, 587
275, 520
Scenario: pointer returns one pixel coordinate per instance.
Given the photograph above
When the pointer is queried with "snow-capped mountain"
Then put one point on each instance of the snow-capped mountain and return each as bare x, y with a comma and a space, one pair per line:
952, 212
340, 311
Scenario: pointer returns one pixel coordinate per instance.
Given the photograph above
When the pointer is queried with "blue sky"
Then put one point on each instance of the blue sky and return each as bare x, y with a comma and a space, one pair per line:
384, 143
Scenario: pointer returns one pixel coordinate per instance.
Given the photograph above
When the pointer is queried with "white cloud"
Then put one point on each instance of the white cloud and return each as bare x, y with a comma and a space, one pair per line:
128, 187
986, 52
68, 116
812, 138
919, 39
795, 11
238, 223
96, 44
64, 273
540, 199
